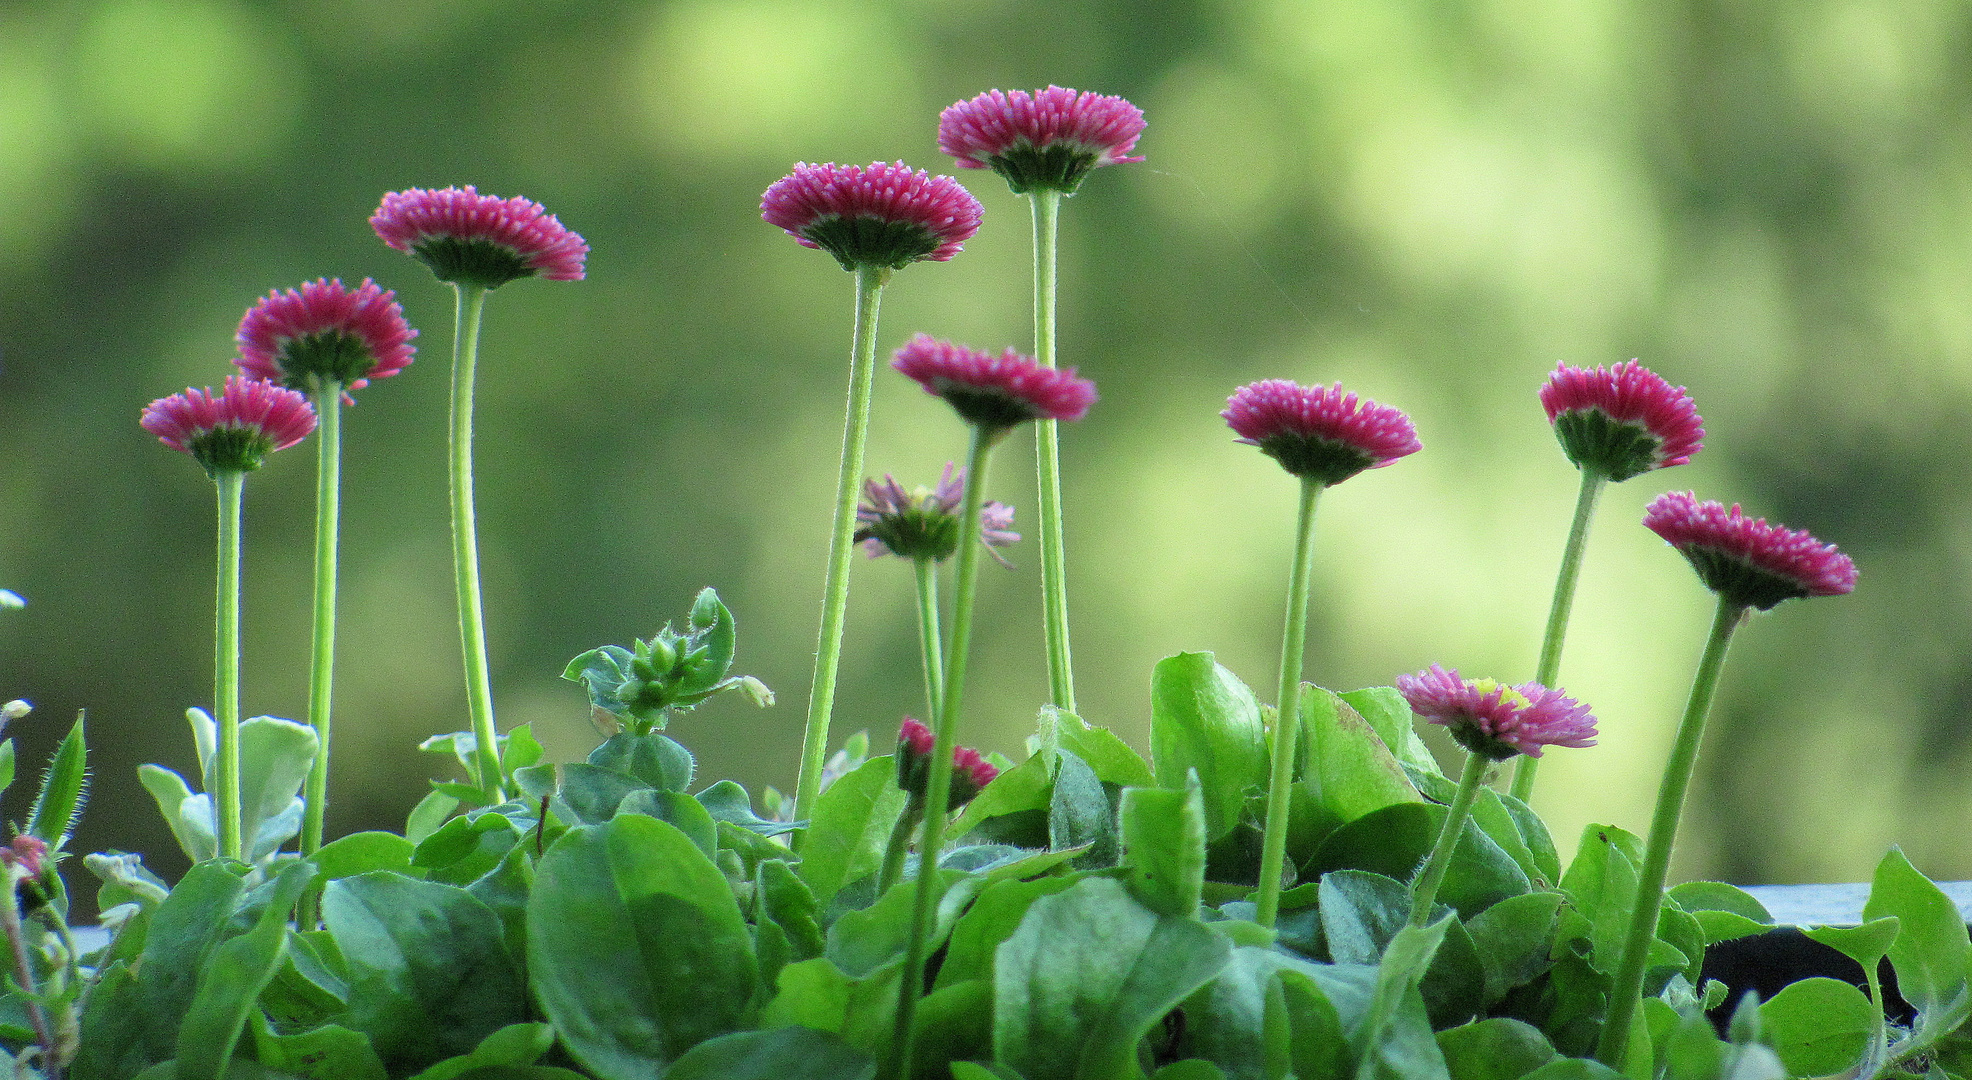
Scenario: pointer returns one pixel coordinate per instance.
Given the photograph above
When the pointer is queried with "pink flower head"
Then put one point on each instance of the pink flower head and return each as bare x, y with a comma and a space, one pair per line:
1319, 432
1744, 559
1497, 721
235, 430
994, 392
325, 332
924, 524
29, 852
970, 772
1047, 140
1621, 421
878, 216
482, 240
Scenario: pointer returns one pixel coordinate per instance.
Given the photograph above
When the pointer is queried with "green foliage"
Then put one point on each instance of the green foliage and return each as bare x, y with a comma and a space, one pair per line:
1204, 720
672, 671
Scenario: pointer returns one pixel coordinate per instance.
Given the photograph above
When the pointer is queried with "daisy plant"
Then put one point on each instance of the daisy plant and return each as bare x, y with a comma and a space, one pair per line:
1749, 564
874, 219
1323, 436
1044, 144
229, 434
993, 395
324, 339
1613, 423
475, 243
923, 526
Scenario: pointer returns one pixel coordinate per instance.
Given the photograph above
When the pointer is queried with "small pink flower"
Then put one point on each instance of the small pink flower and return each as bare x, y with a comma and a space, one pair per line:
994, 392
483, 240
881, 216
924, 524
1047, 140
1497, 721
970, 772
232, 431
28, 852
325, 332
1745, 559
1621, 421
1319, 432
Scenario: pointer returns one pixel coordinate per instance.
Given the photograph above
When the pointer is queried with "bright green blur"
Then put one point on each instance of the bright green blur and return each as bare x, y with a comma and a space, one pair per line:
1431, 202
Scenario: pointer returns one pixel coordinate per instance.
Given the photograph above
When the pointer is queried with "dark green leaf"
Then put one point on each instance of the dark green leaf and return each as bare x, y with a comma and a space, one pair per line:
429, 976
789, 1053
1394, 841
1514, 939
654, 759
1164, 844
233, 978
786, 901
1226, 1021
1080, 814
1362, 913
1497, 1048
1574, 1069
636, 948
504, 890
602, 671
852, 825
727, 801
1203, 718
593, 792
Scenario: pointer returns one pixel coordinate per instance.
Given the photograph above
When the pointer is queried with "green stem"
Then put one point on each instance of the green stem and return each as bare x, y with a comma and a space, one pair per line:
10, 924
1425, 891
938, 785
1626, 991
1557, 615
1287, 728
321, 674
226, 665
835, 591
898, 848
1054, 581
929, 645
465, 542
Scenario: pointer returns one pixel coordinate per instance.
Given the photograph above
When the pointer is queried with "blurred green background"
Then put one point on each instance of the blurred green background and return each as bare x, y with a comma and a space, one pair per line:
1433, 201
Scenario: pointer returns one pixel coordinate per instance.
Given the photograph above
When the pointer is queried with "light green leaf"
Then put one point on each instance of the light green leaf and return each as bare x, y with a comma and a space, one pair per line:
515, 1045
59, 802
171, 794
275, 756
1080, 814
1819, 1026
993, 917
1112, 759
1497, 1048
1203, 718
852, 825
1931, 952
1866, 944
1387, 711
1724, 912
360, 853
329, 1052
1164, 845
1348, 770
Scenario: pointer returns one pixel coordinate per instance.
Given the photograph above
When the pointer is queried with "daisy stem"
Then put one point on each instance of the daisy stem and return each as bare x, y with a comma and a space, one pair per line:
1557, 616
1287, 728
1626, 991
1054, 582
930, 644
835, 591
226, 664
321, 675
944, 727
1424, 892
898, 849
465, 542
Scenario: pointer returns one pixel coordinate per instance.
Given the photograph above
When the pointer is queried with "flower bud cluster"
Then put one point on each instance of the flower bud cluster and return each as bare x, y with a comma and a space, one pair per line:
671, 671
970, 772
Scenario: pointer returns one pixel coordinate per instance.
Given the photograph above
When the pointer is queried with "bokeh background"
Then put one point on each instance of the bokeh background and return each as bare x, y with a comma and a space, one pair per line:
1433, 201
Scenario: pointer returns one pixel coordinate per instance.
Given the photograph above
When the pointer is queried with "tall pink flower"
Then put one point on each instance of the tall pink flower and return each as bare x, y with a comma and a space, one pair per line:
483, 240
994, 392
234, 430
1494, 720
882, 216
1319, 432
325, 332
1046, 140
1744, 559
1621, 421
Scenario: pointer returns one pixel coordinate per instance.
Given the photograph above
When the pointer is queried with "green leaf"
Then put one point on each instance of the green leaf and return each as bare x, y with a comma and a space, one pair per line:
360, 853
515, 1045
1394, 841
852, 825
1190, 1069
275, 757
1203, 718
681, 810
592, 793
1349, 770
602, 671
1164, 844
1867, 944
710, 619
504, 890
1362, 915
862, 941
1387, 711
1227, 1019
1574, 1069
1080, 814
1724, 912
428, 974
654, 759
1395, 1035
428, 816
789, 1053
172, 795
1514, 939
1819, 1026
1316, 1047
230, 982
993, 917
1086, 976
6, 765
1025, 788
728, 802
1601, 884
636, 948
1112, 759
953, 1023
329, 1052
1519, 832
59, 801
1931, 951
1497, 1048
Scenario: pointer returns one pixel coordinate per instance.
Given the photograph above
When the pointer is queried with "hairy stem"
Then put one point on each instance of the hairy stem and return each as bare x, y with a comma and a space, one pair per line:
1424, 891
226, 666
465, 542
1549, 668
930, 644
1054, 581
1287, 728
321, 674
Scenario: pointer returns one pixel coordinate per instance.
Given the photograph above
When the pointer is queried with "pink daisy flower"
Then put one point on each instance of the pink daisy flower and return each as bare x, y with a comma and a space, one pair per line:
1497, 721
924, 524
1047, 140
1745, 559
325, 332
232, 431
1319, 432
970, 772
995, 392
471, 239
1621, 421
885, 216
